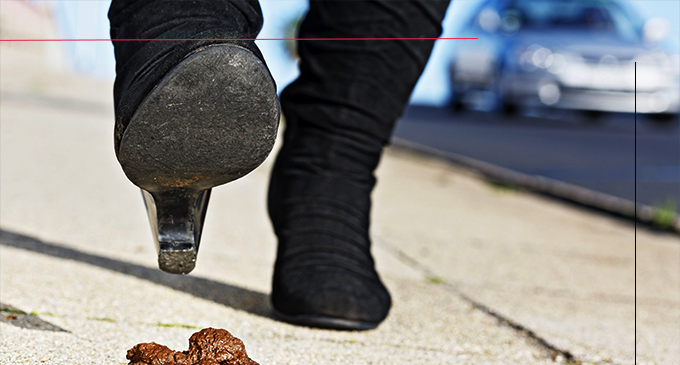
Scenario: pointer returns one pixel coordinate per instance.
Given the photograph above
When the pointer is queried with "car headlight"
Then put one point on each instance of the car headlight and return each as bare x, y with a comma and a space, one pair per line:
558, 64
526, 59
542, 57
538, 57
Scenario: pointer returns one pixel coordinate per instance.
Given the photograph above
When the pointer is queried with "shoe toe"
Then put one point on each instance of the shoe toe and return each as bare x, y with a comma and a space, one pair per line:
331, 293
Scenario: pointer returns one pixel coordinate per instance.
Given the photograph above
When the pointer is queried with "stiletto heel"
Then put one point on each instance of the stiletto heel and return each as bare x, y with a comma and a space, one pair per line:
176, 217
212, 119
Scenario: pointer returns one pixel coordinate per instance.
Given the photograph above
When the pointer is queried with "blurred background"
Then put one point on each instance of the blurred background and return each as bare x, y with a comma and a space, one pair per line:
546, 90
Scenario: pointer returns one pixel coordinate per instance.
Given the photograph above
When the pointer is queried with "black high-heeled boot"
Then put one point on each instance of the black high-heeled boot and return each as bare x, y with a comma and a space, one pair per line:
319, 202
190, 115
339, 115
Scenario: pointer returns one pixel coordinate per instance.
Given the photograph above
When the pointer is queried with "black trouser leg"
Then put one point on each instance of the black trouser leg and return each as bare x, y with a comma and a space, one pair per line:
141, 65
339, 114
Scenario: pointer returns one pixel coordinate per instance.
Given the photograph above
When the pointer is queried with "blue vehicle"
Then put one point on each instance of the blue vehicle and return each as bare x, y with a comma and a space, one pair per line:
564, 54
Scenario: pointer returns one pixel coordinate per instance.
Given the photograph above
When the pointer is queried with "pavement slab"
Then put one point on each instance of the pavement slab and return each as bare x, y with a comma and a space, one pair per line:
479, 274
563, 272
104, 312
76, 251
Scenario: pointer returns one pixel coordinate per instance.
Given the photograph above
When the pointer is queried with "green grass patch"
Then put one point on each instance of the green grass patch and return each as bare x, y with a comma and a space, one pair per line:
176, 325
351, 342
12, 311
665, 213
502, 187
101, 319
433, 279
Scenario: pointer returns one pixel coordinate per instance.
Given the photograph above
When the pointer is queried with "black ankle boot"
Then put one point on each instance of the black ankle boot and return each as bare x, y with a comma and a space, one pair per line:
319, 202
340, 113
190, 115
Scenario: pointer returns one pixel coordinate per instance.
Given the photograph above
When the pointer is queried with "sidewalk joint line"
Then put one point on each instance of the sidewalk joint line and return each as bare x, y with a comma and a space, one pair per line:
553, 351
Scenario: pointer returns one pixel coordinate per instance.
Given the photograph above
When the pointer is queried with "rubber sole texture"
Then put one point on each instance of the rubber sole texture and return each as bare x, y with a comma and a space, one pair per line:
212, 119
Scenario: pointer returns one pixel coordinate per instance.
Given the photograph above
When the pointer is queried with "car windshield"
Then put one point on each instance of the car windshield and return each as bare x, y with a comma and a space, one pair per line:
588, 15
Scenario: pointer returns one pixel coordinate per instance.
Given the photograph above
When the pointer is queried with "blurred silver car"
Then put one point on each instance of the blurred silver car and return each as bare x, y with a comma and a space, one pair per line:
564, 54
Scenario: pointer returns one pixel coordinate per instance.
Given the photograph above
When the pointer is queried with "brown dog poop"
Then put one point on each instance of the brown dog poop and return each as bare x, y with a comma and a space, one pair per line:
209, 346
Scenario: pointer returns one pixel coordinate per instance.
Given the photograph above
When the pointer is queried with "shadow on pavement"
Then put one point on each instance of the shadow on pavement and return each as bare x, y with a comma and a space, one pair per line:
31, 321
232, 296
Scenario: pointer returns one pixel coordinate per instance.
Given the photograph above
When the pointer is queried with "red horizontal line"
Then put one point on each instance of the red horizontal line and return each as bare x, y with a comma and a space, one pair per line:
226, 39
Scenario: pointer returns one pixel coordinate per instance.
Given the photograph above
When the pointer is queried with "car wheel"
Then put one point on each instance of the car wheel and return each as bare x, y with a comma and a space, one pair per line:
504, 100
663, 117
592, 116
456, 102
508, 109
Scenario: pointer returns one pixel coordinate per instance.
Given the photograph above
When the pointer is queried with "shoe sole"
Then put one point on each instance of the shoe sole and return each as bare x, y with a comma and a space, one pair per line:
318, 321
212, 119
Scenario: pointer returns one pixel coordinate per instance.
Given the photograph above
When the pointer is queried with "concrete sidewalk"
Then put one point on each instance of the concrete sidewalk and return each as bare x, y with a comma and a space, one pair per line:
478, 274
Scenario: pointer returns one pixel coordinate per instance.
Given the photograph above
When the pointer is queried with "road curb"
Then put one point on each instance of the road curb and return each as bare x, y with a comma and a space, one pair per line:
612, 204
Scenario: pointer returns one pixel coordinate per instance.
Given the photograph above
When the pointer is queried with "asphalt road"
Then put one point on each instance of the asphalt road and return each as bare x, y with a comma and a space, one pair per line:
598, 154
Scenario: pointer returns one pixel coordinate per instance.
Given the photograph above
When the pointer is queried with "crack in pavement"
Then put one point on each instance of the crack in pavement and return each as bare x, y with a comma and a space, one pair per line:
252, 302
552, 351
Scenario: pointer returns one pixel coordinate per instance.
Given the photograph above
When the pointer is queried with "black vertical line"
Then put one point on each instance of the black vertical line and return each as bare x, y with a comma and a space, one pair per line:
635, 211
